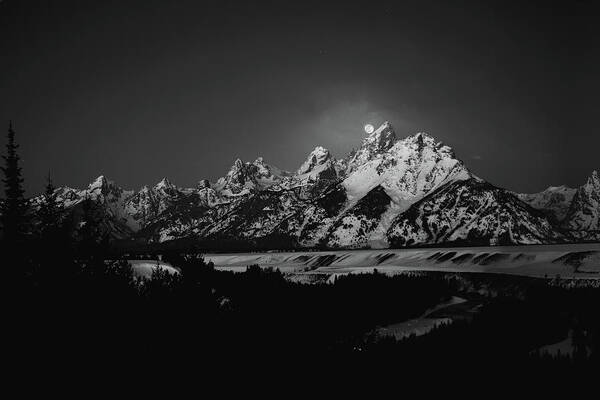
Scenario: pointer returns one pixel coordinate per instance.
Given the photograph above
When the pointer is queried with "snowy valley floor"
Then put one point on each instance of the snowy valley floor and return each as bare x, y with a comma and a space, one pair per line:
567, 261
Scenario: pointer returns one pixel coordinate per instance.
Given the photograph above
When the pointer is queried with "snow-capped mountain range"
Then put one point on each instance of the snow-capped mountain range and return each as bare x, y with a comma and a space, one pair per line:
390, 192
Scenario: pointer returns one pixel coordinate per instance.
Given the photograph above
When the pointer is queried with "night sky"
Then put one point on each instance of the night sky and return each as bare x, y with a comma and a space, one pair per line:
138, 90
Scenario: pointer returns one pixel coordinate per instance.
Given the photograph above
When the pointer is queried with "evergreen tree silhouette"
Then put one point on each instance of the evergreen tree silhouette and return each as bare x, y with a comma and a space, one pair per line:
88, 230
14, 207
50, 211
53, 255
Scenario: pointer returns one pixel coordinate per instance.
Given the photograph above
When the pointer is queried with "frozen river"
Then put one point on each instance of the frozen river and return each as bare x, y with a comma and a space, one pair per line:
568, 261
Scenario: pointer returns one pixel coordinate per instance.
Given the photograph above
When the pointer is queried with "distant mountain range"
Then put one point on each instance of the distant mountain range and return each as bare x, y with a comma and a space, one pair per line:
390, 192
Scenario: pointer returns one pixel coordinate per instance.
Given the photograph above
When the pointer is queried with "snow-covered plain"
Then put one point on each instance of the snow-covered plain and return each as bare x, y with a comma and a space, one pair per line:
568, 261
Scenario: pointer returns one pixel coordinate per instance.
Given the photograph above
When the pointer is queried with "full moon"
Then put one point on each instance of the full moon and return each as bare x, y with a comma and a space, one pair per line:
369, 128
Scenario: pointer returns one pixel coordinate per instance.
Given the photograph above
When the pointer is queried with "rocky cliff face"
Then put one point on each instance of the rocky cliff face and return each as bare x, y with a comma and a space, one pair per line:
471, 212
554, 201
574, 211
583, 217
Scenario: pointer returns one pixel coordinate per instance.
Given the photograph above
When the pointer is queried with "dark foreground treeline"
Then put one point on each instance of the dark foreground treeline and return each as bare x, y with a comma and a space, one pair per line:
89, 306
83, 309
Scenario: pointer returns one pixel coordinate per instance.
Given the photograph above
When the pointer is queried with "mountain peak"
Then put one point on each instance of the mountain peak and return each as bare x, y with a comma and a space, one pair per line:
381, 140
423, 140
384, 136
385, 125
203, 184
237, 170
584, 213
254, 175
164, 184
238, 167
422, 137
322, 150
103, 186
319, 156
99, 183
260, 168
593, 183
238, 164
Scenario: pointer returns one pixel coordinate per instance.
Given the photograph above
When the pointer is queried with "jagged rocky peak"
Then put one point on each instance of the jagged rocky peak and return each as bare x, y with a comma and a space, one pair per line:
262, 168
245, 175
378, 142
384, 136
164, 184
318, 156
584, 212
269, 171
98, 184
235, 173
423, 141
591, 187
203, 184
101, 185
238, 164
237, 169
259, 161
594, 180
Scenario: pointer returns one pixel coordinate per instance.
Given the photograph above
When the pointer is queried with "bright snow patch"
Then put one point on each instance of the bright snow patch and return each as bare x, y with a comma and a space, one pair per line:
144, 268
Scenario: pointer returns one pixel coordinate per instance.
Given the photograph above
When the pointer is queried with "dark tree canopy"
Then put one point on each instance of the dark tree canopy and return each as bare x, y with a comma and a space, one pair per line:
50, 211
14, 206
